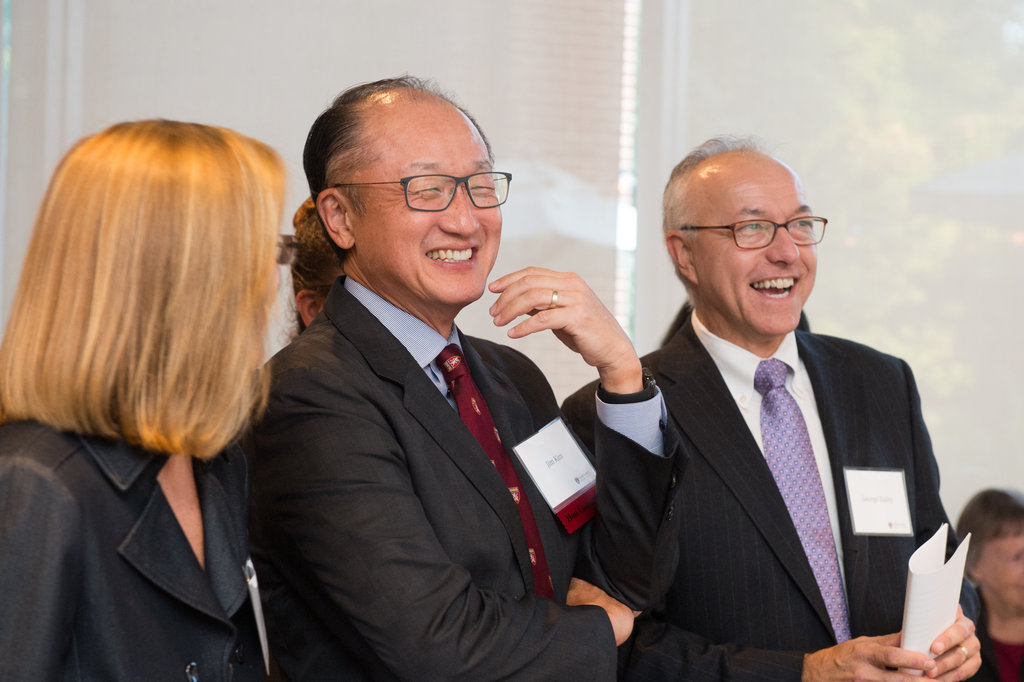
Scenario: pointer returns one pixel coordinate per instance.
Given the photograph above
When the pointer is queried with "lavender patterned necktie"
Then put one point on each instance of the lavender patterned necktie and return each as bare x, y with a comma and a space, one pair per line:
787, 447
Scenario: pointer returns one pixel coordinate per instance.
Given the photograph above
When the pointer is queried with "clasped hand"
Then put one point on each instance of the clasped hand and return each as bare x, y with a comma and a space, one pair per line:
582, 593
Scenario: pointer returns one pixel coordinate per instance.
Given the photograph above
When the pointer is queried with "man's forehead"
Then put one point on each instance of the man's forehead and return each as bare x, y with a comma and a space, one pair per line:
747, 184
425, 135
741, 162
401, 108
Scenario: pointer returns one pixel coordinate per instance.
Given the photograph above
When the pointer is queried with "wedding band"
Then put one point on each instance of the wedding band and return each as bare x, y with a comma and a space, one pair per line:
554, 299
967, 654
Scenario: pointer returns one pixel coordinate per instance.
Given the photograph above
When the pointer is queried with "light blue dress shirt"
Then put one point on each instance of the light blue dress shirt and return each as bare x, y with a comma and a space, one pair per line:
641, 422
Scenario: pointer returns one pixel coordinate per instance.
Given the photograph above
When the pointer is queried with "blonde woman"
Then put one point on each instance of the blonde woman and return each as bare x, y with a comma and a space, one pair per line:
129, 366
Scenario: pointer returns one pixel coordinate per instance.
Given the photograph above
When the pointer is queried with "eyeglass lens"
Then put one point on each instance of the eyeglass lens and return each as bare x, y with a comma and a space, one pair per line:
756, 233
435, 192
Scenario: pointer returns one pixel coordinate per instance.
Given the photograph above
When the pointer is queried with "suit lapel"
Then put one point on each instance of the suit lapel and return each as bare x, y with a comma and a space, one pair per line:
390, 360
699, 401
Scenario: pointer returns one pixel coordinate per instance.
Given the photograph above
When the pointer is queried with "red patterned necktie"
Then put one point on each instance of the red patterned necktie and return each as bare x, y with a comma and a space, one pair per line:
787, 447
477, 418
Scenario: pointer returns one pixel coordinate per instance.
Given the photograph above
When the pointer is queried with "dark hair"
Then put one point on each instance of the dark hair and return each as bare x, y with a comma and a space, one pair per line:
336, 145
316, 264
990, 515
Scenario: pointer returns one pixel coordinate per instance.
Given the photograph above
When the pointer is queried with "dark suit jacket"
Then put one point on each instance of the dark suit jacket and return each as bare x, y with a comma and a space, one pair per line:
99, 581
745, 604
390, 547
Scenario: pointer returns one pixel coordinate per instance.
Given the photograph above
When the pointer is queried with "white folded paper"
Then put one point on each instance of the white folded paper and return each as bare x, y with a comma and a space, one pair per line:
933, 592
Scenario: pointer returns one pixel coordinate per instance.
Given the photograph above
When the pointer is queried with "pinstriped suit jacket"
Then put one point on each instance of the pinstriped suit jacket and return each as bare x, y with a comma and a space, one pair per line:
744, 604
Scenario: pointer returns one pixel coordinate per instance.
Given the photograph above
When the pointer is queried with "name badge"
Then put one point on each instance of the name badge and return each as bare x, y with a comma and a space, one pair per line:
562, 473
878, 501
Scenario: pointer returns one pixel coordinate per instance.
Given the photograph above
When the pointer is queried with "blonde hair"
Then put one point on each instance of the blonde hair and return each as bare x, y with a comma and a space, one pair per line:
147, 288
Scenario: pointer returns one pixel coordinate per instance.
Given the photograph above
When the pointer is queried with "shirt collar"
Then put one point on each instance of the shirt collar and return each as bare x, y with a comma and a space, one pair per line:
737, 365
419, 338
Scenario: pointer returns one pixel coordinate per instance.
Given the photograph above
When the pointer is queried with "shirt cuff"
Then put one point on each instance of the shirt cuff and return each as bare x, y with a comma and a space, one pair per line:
642, 422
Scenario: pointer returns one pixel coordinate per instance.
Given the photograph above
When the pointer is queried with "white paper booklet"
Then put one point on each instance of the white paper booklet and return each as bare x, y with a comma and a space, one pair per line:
933, 592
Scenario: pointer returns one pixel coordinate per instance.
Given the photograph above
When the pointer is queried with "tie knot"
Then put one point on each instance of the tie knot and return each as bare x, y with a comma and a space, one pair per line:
770, 374
451, 362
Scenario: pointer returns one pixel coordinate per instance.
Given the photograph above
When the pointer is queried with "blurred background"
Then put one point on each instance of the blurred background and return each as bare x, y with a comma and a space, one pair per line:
905, 121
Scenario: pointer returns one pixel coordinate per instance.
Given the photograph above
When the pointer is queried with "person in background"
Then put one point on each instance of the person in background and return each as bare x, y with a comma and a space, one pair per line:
995, 563
124, 383
773, 583
315, 264
396, 529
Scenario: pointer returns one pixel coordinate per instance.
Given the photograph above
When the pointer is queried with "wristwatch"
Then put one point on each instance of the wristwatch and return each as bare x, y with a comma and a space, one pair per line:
649, 390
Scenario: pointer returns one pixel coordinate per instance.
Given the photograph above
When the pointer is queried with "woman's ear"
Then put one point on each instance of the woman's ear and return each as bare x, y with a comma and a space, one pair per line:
308, 302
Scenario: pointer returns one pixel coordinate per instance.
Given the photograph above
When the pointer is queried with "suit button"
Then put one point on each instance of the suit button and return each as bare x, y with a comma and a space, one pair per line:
238, 654
671, 512
672, 481
192, 672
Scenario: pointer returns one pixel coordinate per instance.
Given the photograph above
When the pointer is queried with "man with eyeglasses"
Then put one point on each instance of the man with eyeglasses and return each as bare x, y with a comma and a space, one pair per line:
787, 570
401, 512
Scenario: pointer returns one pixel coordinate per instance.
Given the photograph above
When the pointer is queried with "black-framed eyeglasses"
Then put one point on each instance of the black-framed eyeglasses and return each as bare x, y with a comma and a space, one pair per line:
757, 234
287, 245
435, 192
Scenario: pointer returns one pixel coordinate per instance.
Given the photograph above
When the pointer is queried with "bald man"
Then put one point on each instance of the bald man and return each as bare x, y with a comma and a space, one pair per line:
773, 582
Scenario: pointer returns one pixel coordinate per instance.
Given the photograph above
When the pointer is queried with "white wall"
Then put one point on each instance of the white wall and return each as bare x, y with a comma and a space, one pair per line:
543, 80
873, 104
904, 122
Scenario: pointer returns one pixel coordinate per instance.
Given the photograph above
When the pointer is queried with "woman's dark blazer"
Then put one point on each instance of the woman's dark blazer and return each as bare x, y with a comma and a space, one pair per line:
98, 580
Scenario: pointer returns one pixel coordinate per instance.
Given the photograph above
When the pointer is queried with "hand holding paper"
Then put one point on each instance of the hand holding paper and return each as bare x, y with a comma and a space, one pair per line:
957, 651
931, 609
936, 635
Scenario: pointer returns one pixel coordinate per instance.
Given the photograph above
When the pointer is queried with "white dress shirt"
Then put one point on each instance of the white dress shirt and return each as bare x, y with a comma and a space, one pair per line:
737, 367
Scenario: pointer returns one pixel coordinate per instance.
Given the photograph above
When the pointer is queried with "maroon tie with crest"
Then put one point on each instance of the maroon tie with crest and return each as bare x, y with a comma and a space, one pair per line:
477, 418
